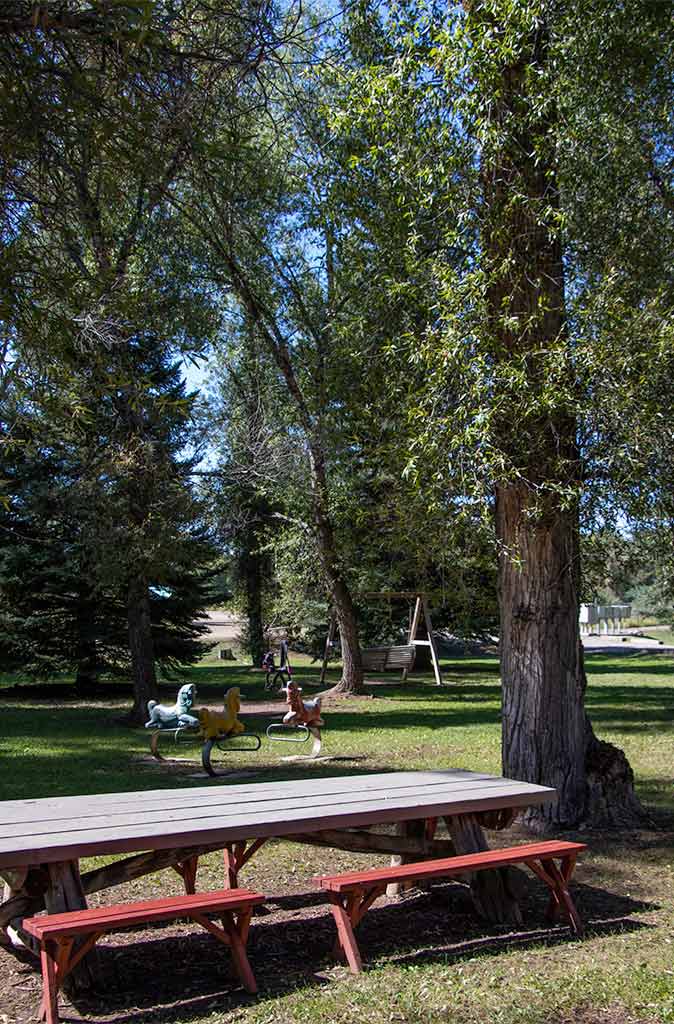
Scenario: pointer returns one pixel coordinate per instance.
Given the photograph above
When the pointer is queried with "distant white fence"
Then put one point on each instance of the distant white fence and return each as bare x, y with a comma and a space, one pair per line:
603, 618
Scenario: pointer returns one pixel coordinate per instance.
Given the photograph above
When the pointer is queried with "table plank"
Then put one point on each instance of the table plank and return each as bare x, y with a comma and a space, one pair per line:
250, 811
220, 803
70, 806
225, 813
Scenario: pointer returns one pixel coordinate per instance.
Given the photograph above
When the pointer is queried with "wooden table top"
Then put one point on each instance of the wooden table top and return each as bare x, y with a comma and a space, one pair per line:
66, 828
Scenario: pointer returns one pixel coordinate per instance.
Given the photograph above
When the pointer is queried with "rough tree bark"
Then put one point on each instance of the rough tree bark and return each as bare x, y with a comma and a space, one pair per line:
141, 646
253, 575
547, 737
265, 322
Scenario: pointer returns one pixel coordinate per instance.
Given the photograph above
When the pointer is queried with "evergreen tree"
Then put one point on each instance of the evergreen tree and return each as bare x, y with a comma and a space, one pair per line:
249, 480
69, 542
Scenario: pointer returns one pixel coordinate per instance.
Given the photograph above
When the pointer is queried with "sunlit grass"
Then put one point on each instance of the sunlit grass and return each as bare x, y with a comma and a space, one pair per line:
622, 971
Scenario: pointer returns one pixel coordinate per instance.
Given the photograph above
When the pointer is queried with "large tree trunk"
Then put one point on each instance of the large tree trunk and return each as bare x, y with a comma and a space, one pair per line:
352, 666
253, 574
541, 665
547, 737
352, 663
141, 646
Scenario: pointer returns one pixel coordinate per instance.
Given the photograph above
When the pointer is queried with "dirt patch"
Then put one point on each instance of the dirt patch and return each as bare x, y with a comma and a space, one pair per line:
610, 1015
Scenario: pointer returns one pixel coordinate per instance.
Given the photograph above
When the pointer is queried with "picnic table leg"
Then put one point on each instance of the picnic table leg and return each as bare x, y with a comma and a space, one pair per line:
492, 894
22, 892
13, 886
229, 863
65, 893
235, 855
187, 869
415, 829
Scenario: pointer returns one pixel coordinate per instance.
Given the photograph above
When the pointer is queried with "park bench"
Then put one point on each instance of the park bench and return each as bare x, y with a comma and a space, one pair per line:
56, 933
388, 659
352, 894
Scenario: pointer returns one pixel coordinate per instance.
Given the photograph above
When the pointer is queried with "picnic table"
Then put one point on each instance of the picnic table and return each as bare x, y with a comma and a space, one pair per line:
42, 841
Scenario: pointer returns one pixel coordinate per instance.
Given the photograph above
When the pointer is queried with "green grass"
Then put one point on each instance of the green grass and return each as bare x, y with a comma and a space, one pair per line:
468, 971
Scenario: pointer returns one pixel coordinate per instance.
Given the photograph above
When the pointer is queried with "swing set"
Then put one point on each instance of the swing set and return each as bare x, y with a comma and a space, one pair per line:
393, 657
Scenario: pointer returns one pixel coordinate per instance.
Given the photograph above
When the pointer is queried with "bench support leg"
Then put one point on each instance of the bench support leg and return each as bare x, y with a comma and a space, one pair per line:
234, 933
349, 911
65, 893
57, 961
345, 934
49, 958
557, 880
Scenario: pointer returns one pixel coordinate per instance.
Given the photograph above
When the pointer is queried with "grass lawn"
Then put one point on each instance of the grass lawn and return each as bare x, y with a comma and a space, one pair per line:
429, 959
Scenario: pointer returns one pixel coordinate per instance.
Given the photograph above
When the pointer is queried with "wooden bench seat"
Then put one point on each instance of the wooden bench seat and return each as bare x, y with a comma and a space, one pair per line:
352, 894
56, 933
388, 659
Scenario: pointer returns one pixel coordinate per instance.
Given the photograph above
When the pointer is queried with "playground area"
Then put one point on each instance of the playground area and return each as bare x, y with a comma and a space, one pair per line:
336, 512
427, 954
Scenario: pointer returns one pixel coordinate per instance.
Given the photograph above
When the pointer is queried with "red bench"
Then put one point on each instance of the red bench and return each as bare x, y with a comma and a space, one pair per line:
352, 894
56, 933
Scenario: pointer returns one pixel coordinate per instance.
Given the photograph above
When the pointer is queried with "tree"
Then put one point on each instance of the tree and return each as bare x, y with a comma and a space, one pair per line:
519, 61
291, 236
154, 525
68, 540
536, 509
248, 481
114, 117
511, 419
272, 249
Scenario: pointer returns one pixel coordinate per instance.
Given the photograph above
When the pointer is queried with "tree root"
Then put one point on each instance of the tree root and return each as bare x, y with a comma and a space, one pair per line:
610, 798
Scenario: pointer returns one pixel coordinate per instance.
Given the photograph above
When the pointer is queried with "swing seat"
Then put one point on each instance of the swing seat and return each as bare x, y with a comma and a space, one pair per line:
389, 659
399, 657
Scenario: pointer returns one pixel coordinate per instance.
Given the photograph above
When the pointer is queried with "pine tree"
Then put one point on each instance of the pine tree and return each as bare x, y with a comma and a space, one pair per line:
90, 510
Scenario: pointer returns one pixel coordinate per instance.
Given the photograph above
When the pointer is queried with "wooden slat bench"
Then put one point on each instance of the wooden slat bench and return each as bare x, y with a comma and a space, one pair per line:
56, 933
352, 894
388, 659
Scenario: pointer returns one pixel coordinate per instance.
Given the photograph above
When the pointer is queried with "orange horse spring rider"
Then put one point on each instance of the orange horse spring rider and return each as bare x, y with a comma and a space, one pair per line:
303, 717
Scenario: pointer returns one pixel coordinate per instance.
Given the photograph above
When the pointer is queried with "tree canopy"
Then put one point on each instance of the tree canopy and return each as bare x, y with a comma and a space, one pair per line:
425, 254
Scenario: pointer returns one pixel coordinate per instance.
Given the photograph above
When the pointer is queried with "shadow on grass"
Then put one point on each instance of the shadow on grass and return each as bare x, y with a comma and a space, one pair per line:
631, 663
631, 708
185, 976
220, 676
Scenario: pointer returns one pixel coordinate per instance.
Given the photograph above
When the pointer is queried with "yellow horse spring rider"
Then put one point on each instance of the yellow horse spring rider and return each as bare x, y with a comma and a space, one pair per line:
218, 729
